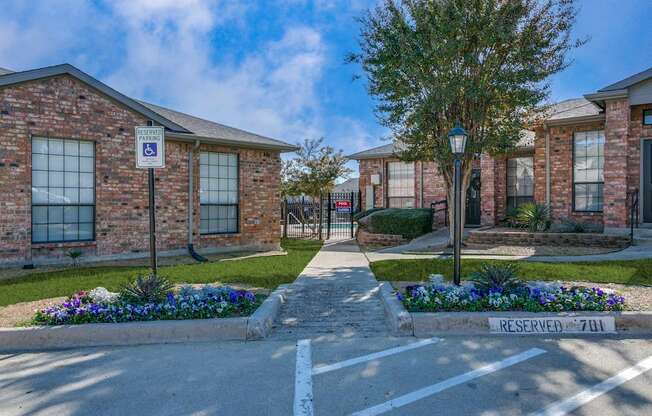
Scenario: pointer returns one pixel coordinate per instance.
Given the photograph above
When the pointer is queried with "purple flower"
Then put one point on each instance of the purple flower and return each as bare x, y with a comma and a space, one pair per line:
399, 296
170, 298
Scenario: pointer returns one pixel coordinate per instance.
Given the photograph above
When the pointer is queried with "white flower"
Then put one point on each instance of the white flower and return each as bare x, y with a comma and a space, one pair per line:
436, 279
101, 295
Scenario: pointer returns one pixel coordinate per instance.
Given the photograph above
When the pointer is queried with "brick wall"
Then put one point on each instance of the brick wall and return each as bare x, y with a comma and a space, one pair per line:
367, 168
561, 173
63, 107
617, 114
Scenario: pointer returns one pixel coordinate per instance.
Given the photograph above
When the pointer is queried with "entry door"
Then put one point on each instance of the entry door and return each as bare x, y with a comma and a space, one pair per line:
473, 199
647, 181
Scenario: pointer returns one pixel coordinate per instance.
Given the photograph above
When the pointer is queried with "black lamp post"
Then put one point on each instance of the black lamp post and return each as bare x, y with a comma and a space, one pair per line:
457, 138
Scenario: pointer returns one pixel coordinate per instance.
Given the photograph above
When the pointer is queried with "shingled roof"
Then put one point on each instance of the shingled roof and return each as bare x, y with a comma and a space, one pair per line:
178, 125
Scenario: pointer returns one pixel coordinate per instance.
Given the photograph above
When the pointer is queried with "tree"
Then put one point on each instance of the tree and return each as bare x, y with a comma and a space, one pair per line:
484, 63
314, 171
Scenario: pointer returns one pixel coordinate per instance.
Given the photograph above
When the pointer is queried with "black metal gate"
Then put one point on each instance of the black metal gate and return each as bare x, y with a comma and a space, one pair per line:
329, 217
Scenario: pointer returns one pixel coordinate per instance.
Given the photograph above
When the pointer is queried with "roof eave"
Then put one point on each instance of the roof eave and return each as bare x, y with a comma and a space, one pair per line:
598, 98
357, 156
189, 137
575, 120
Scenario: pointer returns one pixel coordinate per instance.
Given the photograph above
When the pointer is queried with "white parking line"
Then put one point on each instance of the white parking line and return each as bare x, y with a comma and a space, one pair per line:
353, 361
303, 380
564, 407
451, 382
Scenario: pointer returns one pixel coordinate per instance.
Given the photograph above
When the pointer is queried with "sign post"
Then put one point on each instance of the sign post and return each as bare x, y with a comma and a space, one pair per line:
150, 154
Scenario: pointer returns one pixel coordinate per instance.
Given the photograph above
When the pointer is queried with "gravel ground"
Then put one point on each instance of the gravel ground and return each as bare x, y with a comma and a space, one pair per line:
637, 298
504, 250
20, 314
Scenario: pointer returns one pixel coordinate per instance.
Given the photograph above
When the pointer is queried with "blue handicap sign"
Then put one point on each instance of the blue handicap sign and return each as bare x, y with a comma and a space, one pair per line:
150, 150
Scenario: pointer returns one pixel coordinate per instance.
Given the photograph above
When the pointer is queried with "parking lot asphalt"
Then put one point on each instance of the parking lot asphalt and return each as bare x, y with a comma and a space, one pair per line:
479, 375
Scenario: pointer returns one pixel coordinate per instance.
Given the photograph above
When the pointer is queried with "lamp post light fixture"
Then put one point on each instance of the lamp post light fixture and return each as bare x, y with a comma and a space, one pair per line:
457, 138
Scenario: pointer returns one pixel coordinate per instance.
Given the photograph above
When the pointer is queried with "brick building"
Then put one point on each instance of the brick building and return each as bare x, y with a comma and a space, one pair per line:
69, 181
585, 160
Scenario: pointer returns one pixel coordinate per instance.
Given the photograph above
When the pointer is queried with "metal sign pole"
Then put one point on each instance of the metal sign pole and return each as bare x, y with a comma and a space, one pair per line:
152, 223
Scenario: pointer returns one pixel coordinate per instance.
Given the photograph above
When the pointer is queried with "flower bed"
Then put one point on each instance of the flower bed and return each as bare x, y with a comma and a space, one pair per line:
102, 306
531, 297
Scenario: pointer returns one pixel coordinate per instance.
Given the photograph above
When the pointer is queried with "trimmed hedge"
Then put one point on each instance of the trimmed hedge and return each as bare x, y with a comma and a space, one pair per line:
366, 212
409, 223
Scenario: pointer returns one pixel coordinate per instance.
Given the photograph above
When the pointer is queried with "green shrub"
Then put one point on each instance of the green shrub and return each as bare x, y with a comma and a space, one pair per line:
146, 289
574, 226
366, 212
535, 217
409, 223
496, 277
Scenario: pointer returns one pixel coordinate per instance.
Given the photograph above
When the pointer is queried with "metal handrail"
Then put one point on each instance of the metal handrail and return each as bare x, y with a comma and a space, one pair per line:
443, 202
633, 212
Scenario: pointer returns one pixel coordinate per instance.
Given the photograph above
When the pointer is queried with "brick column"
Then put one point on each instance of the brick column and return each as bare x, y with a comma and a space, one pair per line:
615, 163
487, 190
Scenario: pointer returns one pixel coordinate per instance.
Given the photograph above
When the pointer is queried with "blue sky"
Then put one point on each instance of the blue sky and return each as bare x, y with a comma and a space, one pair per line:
274, 67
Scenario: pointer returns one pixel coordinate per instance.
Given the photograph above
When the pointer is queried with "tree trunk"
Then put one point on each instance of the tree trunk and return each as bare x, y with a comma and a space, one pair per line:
467, 168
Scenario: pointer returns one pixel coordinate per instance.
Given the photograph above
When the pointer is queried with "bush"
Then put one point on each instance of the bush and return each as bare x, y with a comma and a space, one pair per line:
146, 289
574, 226
535, 217
409, 223
496, 278
366, 212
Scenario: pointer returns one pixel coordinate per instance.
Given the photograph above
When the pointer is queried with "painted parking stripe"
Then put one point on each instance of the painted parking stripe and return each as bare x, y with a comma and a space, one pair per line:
303, 380
353, 361
564, 407
451, 382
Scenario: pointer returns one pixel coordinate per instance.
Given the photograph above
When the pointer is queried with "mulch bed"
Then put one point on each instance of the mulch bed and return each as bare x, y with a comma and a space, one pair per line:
637, 298
20, 314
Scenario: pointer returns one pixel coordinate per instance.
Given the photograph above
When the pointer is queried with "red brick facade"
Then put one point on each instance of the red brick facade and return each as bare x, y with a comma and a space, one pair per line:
552, 152
63, 107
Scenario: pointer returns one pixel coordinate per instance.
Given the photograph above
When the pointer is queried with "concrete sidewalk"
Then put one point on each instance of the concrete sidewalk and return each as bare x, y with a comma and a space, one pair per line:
335, 296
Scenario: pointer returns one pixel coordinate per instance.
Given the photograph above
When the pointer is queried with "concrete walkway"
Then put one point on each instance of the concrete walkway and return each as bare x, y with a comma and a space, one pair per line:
336, 296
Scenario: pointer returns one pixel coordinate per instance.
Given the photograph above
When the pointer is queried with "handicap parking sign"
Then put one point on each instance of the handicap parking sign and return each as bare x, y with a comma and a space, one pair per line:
150, 147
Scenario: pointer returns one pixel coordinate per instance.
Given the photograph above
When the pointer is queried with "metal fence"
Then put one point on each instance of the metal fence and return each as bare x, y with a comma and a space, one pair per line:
329, 217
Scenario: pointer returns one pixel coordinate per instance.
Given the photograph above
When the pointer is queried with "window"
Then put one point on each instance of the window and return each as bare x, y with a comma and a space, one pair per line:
520, 181
218, 193
63, 190
647, 117
588, 171
400, 185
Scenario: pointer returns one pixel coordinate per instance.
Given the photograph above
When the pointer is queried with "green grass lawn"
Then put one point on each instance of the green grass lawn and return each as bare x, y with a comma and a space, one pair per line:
267, 272
625, 272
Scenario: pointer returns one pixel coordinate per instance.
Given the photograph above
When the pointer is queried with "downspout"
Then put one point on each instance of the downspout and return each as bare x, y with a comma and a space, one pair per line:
421, 164
191, 204
547, 166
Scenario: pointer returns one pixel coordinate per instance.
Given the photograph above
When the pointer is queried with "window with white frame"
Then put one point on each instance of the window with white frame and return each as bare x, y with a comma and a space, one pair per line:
520, 181
218, 193
400, 185
63, 190
588, 171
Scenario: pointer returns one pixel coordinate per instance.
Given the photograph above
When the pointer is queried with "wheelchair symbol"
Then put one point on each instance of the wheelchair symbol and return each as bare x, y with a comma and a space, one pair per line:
149, 149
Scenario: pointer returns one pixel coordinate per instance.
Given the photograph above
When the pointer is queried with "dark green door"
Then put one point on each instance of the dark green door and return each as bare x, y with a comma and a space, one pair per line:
647, 181
473, 199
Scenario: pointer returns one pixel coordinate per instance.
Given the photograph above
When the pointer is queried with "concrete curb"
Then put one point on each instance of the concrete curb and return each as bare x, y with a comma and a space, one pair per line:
427, 324
260, 322
399, 319
256, 326
464, 323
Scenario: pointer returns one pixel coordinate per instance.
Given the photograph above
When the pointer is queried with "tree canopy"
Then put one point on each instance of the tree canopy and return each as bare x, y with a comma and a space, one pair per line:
314, 171
484, 63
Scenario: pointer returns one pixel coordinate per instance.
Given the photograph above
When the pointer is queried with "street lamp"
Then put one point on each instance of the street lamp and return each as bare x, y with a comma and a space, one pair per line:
457, 138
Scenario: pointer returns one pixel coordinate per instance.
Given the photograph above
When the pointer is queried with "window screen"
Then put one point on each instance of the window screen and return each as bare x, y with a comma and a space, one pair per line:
400, 185
63, 190
588, 170
520, 181
218, 193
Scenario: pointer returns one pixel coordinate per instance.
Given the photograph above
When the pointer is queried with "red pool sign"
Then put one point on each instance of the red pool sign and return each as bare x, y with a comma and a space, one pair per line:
342, 206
